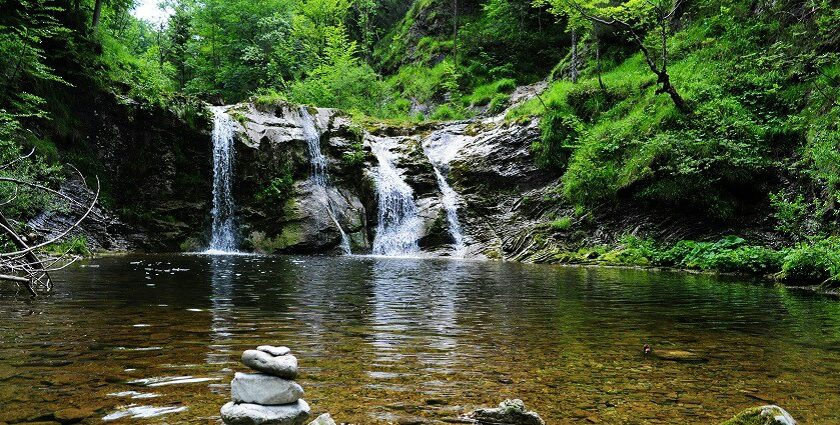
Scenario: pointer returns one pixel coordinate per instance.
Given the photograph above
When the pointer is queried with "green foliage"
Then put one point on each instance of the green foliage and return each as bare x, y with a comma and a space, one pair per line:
560, 134
562, 224
74, 246
279, 190
790, 214
816, 261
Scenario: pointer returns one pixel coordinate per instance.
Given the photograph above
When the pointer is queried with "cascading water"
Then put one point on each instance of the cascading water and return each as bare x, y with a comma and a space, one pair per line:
319, 169
399, 226
223, 236
440, 148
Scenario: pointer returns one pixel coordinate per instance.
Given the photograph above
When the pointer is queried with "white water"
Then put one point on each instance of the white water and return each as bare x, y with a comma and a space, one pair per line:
319, 169
440, 148
399, 225
223, 236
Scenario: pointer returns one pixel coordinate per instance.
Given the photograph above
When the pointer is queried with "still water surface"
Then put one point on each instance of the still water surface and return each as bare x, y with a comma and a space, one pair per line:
156, 339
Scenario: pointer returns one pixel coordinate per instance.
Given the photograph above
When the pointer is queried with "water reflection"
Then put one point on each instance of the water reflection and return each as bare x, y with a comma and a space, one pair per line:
221, 301
387, 340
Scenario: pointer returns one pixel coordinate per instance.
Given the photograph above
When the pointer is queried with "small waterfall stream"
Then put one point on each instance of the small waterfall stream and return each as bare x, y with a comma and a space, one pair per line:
223, 236
399, 225
319, 169
440, 148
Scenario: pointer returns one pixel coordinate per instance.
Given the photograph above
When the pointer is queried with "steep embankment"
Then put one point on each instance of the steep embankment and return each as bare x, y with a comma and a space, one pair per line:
154, 165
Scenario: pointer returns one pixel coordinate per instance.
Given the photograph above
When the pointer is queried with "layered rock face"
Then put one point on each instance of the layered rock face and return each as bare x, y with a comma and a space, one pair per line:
452, 189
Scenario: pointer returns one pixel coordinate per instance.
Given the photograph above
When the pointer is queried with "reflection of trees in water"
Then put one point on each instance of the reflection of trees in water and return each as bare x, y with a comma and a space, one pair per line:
413, 310
221, 305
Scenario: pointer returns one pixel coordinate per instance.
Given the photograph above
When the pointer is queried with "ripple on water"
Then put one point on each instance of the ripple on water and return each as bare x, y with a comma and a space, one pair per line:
143, 412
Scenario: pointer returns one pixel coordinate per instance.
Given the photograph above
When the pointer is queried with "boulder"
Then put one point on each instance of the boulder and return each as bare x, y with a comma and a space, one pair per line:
255, 414
762, 415
274, 351
282, 366
509, 412
264, 389
324, 419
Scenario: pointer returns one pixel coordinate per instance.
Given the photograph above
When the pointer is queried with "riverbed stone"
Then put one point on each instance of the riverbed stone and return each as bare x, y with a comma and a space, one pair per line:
264, 389
256, 414
324, 419
282, 366
763, 415
274, 351
509, 412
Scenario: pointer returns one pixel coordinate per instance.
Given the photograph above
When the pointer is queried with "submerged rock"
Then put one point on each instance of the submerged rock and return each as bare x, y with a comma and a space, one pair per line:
324, 419
679, 356
762, 415
281, 366
274, 351
264, 389
509, 412
255, 414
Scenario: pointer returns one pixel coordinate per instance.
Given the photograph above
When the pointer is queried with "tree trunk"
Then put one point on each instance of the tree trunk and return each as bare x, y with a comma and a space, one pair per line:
455, 31
97, 11
574, 69
665, 80
598, 65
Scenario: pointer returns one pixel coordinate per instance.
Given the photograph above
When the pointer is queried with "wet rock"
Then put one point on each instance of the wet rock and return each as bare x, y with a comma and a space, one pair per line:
255, 414
762, 415
282, 366
324, 419
72, 415
264, 389
679, 356
509, 412
274, 351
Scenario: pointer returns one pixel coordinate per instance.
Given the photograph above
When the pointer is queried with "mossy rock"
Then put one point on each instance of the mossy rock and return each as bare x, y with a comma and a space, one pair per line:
763, 415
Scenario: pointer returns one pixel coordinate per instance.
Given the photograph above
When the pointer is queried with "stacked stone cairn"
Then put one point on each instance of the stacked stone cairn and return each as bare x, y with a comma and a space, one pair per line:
270, 396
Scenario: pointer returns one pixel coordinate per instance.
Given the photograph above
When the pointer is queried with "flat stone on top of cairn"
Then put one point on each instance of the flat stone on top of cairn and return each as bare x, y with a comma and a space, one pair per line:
269, 397
285, 366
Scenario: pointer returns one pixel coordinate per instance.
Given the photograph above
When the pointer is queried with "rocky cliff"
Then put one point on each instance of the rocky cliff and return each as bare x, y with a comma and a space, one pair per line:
466, 188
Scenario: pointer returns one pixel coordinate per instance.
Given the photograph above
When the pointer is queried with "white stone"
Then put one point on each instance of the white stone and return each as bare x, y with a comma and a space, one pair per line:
274, 351
324, 419
258, 388
255, 414
282, 366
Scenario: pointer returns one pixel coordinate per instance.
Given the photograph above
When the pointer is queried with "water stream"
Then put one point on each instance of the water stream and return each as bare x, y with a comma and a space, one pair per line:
398, 226
319, 170
440, 147
223, 234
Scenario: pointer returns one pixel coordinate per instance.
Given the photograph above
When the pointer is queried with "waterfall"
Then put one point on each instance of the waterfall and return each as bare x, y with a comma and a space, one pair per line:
450, 205
399, 225
440, 148
223, 236
319, 169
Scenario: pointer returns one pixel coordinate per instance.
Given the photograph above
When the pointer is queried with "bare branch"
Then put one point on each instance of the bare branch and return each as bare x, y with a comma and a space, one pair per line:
62, 234
16, 160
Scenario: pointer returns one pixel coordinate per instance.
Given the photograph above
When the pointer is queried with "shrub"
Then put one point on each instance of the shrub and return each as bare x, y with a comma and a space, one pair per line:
498, 103
818, 261
562, 224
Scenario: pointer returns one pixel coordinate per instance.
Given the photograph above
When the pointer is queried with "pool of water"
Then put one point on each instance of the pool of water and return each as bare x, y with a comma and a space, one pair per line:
156, 339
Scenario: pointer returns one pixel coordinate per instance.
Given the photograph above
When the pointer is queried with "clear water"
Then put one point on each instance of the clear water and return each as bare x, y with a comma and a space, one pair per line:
398, 223
223, 233
320, 174
156, 339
